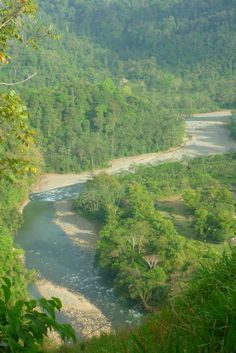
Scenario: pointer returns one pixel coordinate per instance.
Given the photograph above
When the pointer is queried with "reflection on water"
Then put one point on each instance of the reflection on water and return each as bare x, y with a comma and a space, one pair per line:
64, 263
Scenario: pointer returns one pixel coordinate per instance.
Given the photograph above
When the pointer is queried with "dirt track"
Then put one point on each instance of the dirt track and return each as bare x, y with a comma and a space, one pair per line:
205, 134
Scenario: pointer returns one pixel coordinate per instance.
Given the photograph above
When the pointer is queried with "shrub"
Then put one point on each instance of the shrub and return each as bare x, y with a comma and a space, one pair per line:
25, 324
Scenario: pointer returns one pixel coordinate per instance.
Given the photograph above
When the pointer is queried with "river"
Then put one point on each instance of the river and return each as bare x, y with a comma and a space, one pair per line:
66, 264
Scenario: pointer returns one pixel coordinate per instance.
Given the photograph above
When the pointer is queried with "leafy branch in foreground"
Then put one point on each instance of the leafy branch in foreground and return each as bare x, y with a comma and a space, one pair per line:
18, 153
11, 13
25, 324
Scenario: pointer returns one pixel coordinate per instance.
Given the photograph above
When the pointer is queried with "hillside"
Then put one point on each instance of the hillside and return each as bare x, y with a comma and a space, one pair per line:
201, 319
124, 75
85, 83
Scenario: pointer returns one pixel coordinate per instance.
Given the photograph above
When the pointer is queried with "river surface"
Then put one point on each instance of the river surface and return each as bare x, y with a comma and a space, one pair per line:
62, 262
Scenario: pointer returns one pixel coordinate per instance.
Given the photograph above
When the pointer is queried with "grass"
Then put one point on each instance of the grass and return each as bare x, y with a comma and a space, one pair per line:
172, 207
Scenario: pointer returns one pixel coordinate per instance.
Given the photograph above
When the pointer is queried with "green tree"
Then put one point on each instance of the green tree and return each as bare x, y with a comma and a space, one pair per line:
25, 324
18, 155
213, 208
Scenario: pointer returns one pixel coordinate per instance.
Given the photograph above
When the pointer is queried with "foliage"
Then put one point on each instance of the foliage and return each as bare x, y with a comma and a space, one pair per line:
213, 207
98, 123
19, 167
122, 76
22, 325
11, 14
201, 319
25, 324
139, 247
18, 155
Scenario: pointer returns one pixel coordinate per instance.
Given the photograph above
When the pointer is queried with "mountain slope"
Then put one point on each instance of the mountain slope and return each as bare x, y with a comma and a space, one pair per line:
123, 75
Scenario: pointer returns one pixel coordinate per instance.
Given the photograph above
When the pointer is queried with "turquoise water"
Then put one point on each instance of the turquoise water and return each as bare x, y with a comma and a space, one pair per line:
57, 259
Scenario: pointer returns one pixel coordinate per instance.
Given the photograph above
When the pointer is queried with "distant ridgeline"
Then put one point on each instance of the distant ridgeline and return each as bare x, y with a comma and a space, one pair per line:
124, 74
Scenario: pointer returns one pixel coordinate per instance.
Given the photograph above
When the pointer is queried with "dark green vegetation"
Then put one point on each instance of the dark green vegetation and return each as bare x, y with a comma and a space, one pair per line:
19, 161
22, 326
25, 324
142, 249
120, 81
201, 319
123, 75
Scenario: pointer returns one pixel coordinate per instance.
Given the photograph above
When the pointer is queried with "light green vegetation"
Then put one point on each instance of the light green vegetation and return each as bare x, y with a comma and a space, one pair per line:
19, 163
25, 324
213, 207
149, 245
174, 209
201, 319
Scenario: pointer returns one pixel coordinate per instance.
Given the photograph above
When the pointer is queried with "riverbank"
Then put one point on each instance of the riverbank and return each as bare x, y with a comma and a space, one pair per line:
80, 231
86, 318
220, 113
203, 137
23, 204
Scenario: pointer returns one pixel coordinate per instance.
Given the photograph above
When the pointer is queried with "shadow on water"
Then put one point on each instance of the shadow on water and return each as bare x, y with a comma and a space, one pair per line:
57, 259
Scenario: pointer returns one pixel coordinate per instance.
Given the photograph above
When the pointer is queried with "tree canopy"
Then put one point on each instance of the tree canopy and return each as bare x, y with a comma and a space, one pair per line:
140, 247
123, 75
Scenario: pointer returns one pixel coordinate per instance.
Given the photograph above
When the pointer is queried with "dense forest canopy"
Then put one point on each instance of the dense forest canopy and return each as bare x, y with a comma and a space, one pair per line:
147, 251
176, 33
123, 75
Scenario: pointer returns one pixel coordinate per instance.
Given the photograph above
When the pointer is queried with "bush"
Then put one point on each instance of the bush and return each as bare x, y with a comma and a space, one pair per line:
25, 324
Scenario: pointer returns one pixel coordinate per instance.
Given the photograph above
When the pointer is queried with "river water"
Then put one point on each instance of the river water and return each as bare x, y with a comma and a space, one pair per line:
58, 260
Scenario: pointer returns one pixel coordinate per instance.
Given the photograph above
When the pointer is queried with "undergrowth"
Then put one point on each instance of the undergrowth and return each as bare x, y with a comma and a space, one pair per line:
202, 319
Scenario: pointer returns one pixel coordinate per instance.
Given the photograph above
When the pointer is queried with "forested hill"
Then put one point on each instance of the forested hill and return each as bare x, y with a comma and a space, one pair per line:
123, 75
175, 32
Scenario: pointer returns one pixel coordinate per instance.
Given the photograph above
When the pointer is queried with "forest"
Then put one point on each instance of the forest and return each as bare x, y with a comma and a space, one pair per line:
148, 252
123, 75
87, 81
24, 322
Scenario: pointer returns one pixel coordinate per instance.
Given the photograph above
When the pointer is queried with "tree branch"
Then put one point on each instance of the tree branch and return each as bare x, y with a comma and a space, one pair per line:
19, 82
11, 17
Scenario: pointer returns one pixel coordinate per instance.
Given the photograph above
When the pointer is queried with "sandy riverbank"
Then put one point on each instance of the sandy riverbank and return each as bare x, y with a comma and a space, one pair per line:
221, 113
23, 204
203, 137
79, 230
85, 317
